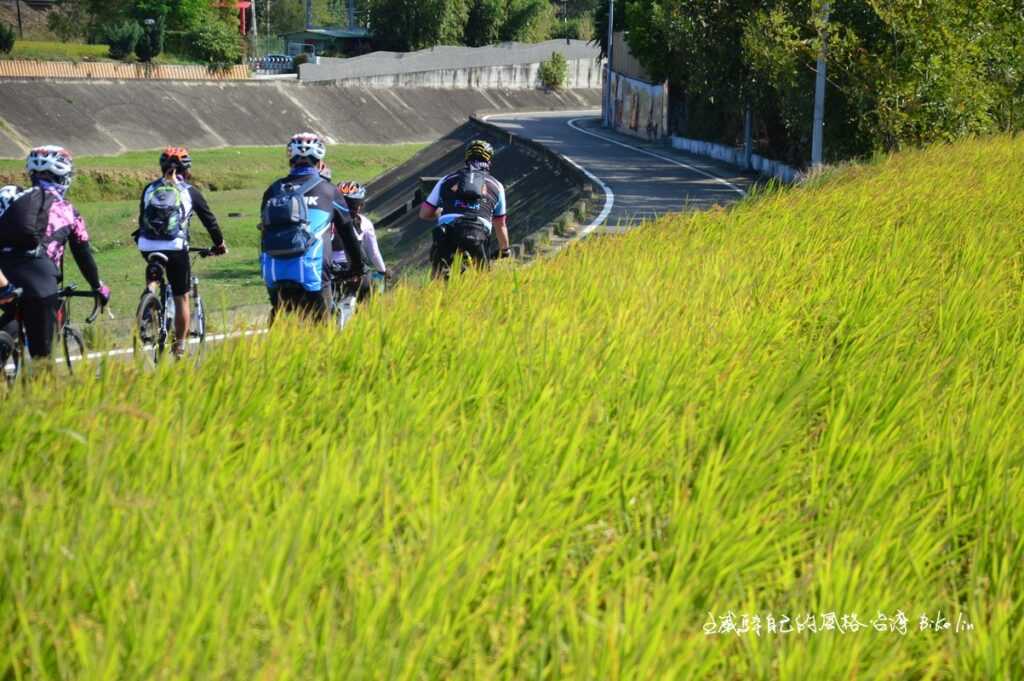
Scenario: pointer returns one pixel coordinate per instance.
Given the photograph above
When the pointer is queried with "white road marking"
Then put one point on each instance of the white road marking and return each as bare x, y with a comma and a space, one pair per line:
716, 178
145, 348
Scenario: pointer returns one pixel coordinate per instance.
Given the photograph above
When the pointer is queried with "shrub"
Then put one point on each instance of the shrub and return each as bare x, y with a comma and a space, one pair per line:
554, 71
151, 44
122, 38
216, 44
7, 37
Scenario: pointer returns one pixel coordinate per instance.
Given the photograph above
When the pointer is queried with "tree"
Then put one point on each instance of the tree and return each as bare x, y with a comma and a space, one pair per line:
122, 36
7, 38
485, 22
404, 25
528, 21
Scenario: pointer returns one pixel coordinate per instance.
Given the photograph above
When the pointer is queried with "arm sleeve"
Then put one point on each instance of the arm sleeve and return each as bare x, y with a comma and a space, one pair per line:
206, 216
83, 254
344, 229
434, 199
370, 247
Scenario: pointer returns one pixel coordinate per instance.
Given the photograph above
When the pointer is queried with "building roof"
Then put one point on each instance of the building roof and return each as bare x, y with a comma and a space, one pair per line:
327, 33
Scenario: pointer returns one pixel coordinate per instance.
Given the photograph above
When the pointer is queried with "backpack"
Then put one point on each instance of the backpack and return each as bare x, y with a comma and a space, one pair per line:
472, 185
163, 216
24, 216
286, 232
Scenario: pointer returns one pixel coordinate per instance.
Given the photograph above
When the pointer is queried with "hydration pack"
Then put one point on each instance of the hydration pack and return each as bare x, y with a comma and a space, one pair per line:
24, 216
472, 185
286, 232
163, 216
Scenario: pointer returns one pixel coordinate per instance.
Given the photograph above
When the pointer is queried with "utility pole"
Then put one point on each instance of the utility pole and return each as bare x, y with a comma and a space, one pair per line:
21, 34
817, 134
309, 14
608, 115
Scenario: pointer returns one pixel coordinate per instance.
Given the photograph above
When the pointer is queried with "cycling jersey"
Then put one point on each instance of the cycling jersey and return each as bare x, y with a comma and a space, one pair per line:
193, 202
65, 226
491, 205
368, 246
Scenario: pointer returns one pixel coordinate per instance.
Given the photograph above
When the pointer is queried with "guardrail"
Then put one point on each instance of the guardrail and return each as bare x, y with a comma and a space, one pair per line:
272, 64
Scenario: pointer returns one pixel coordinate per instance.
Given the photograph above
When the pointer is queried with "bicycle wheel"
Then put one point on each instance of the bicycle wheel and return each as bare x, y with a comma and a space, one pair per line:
74, 346
149, 321
12, 365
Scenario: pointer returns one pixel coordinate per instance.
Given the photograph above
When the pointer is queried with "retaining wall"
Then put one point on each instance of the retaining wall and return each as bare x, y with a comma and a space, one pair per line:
581, 74
763, 166
106, 117
506, 65
639, 108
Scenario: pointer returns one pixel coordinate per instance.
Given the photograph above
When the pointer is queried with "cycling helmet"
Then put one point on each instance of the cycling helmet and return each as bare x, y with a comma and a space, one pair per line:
175, 157
354, 193
306, 145
51, 159
479, 150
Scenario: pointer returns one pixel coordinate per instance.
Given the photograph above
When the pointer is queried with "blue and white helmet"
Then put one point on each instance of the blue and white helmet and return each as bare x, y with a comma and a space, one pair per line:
306, 145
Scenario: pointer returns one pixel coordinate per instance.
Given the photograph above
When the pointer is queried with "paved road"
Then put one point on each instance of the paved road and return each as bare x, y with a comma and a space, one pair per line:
644, 179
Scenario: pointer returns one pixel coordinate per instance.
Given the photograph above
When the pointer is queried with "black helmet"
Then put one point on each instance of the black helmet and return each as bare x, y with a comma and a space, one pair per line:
479, 150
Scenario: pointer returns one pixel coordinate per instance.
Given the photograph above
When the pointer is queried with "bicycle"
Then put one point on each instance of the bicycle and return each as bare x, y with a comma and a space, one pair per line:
344, 294
154, 316
71, 337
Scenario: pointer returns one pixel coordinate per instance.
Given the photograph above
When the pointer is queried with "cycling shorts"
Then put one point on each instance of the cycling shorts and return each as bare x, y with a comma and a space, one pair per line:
178, 269
39, 317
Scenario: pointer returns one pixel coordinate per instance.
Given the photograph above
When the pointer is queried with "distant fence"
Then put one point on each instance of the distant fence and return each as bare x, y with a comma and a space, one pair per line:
272, 64
108, 70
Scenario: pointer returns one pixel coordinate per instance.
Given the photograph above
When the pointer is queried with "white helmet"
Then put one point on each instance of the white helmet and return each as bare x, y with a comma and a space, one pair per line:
50, 159
306, 145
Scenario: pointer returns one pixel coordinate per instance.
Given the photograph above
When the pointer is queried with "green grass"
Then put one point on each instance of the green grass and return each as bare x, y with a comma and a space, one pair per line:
808, 404
106, 191
59, 51
52, 50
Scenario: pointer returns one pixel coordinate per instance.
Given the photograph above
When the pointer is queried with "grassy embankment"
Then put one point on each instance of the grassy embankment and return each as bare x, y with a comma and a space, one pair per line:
106, 191
55, 50
808, 404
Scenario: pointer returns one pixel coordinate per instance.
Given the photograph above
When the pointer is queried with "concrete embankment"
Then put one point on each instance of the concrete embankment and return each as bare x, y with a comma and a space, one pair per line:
108, 117
509, 66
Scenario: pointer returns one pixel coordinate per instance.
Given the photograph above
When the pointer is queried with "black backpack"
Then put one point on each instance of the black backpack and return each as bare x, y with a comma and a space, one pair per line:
24, 216
285, 216
472, 185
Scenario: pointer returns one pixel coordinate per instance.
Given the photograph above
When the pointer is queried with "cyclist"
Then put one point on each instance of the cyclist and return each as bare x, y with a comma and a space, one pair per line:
35, 226
355, 197
165, 211
301, 216
467, 204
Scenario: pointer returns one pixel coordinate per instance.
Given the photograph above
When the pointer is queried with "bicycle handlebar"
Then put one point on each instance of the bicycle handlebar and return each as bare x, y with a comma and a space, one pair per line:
72, 291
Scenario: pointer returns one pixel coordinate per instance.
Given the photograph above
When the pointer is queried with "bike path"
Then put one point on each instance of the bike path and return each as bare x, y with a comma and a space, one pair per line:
645, 180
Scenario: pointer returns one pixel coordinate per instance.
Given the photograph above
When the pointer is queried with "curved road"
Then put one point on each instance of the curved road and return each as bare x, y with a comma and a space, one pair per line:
643, 180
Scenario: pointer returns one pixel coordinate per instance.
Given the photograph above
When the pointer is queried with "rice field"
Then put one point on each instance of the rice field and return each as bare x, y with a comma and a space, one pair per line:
663, 455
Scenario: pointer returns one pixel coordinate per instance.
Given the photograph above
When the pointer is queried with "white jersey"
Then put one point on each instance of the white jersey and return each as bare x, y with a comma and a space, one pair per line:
368, 244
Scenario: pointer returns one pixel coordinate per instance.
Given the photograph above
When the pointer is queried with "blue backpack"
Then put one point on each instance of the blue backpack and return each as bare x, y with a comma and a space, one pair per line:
291, 252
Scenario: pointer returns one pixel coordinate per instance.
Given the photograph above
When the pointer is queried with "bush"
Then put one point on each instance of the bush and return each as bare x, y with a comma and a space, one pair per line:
216, 44
151, 44
7, 38
554, 71
122, 38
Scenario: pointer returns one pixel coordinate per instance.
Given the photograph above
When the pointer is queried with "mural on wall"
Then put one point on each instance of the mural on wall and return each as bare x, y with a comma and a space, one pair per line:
640, 108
